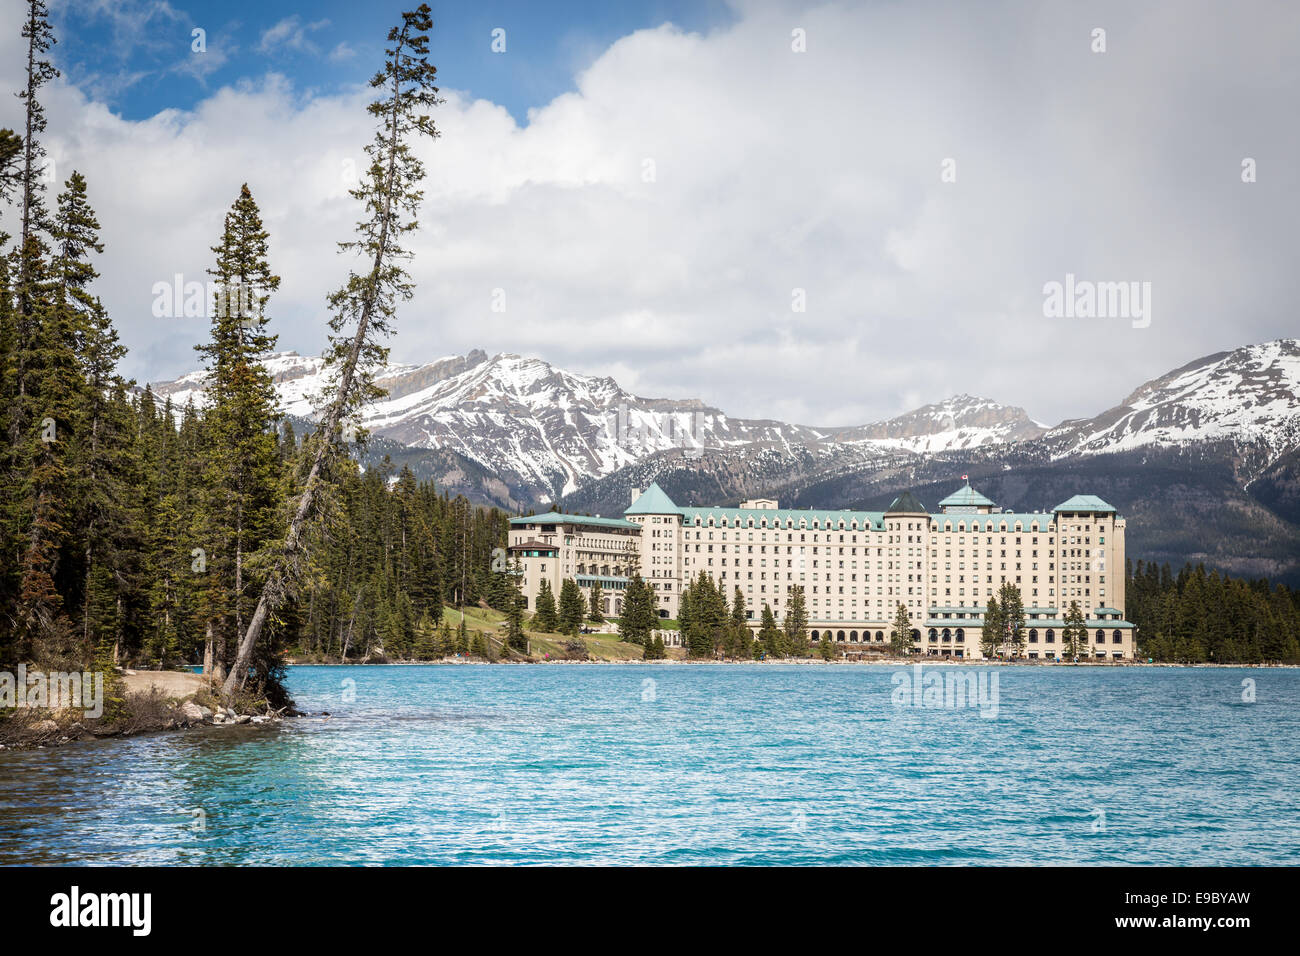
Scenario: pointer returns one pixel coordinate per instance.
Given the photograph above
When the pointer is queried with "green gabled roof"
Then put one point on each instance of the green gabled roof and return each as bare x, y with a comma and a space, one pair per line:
556, 517
966, 496
1081, 503
906, 503
653, 501
992, 522
867, 520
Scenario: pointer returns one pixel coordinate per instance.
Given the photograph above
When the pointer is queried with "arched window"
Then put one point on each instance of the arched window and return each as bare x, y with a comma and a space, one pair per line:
1051, 636
839, 636
934, 634
961, 636
1033, 635
853, 636
814, 635
1118, 637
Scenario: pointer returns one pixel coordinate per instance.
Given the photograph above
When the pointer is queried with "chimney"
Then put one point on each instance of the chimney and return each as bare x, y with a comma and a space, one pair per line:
636, 493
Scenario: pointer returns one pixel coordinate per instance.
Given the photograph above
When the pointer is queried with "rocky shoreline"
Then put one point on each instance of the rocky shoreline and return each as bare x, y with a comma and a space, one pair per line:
152, 702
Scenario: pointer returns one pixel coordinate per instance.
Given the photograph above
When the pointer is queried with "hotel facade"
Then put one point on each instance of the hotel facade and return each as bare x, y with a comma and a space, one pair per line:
855, 567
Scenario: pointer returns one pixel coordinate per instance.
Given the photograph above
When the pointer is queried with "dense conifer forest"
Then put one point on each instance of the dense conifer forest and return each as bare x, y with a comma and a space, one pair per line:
1200, 616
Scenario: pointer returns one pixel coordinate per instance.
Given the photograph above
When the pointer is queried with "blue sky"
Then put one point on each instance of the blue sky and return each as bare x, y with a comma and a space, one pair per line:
136, 56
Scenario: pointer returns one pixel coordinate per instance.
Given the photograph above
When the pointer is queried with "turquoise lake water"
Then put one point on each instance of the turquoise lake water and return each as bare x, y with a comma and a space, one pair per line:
690, 764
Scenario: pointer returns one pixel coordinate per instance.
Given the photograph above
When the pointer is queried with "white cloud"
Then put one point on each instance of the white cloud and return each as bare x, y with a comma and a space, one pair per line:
290, 33
773, 171
342, 52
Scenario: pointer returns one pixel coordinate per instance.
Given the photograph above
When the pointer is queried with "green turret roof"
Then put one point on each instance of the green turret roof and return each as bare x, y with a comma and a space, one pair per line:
906, 503
1082, 503
653, 501
965, 496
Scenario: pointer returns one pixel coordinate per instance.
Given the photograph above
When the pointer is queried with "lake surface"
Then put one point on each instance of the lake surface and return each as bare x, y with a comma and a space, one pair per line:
690, 764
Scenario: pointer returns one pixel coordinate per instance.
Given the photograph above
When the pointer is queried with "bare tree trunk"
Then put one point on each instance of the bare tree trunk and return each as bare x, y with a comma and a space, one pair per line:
207, 654
347, 640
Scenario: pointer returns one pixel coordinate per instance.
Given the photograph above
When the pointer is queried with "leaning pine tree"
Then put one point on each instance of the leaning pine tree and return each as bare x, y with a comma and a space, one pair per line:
368, 300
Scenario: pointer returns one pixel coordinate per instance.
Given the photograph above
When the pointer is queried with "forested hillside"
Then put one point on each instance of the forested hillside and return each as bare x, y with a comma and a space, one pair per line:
1198, 616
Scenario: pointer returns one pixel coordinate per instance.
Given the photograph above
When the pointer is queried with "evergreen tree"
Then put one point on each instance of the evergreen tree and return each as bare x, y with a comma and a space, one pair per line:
826, 647
740, 642
637, 619
241, 482
572, 607
11, 151
655, 650
703, 617
1075, 634
515, 615
596, 599
770, 637
545, 618
1013, 615
993, 633
900, 637
796, 623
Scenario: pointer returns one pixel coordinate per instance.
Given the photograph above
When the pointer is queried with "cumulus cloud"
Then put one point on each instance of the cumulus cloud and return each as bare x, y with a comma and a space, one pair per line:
663, 220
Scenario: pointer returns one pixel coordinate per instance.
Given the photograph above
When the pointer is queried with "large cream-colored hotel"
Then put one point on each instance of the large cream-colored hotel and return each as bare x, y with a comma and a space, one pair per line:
855, 567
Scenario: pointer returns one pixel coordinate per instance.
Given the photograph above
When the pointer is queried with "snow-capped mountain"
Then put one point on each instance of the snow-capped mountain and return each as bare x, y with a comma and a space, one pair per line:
1249, 397
960, 422
546, 432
